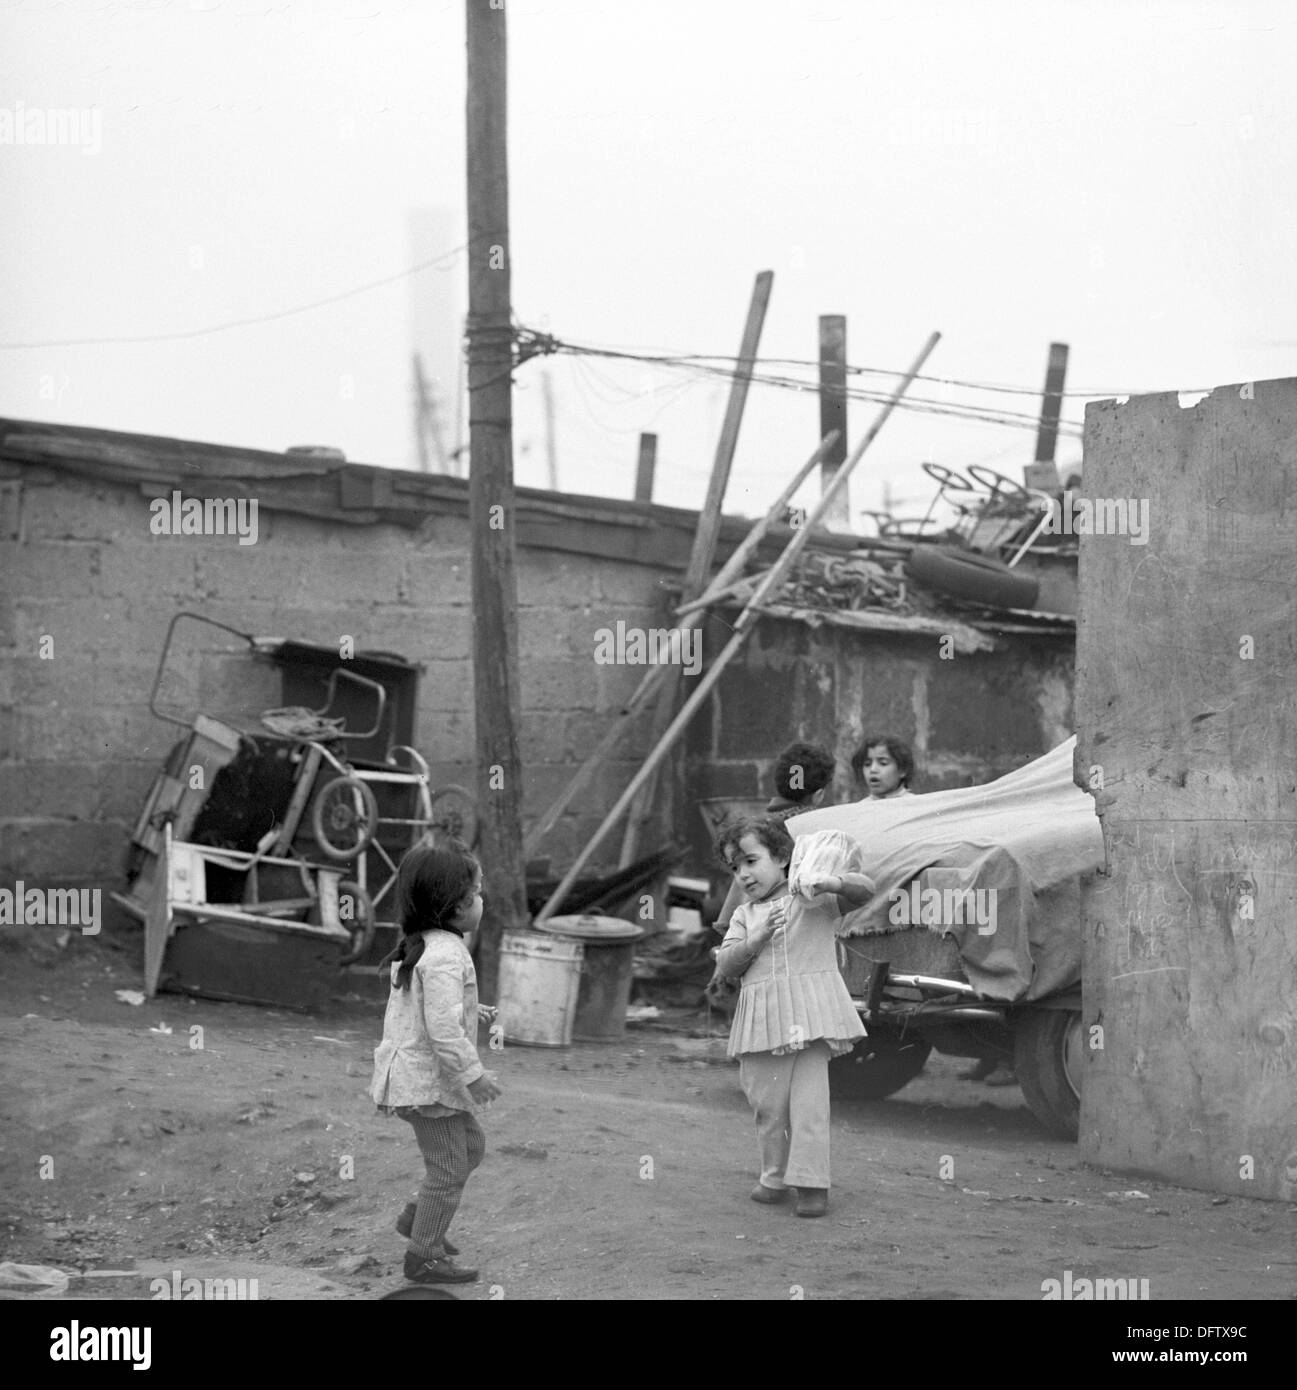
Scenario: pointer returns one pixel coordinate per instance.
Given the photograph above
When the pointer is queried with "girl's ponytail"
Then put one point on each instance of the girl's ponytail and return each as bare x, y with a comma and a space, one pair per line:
431, 885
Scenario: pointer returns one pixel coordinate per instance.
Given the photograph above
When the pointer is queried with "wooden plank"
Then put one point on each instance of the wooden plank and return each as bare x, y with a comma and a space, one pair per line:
704, 550
1187, 729
210, 912
709, 519
769, 585
653, 678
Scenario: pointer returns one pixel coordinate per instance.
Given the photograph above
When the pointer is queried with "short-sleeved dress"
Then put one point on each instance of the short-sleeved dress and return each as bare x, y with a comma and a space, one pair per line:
793, 992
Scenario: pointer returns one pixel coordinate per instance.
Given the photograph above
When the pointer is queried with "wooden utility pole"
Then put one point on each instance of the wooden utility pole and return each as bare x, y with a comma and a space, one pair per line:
491, 491
1043, 474
645, 466
833, 412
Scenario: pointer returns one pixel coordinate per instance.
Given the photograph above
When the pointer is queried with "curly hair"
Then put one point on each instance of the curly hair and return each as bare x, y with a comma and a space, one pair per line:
769, 831
898, 750
814, 764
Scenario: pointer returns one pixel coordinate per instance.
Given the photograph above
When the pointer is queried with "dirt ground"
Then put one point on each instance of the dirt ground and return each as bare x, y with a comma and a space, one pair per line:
612, 1171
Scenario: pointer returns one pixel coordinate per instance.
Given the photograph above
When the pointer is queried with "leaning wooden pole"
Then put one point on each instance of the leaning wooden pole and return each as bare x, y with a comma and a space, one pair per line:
773, 579
496, 692
708, 532
654, 677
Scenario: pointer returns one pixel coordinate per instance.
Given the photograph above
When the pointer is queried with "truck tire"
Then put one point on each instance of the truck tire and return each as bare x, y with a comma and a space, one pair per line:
971, 576
1047, 1054
878, 1066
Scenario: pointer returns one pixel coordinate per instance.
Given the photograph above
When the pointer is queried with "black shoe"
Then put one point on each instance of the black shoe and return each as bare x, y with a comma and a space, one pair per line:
405, 1224
442, 1271
812, 1201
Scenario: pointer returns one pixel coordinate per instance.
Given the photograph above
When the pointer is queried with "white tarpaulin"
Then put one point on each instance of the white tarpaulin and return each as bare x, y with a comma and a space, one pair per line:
1036, 813
989, 851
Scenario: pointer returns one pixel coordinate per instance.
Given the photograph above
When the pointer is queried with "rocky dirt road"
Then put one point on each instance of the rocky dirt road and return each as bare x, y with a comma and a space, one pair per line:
616, 1171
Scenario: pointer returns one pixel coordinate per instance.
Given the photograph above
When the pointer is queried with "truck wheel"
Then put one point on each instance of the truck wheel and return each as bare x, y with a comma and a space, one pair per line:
1047, 1052
878, 1066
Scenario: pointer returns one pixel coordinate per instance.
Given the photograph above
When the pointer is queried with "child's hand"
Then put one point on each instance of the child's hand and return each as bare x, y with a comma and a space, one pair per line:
485, 1089
773, 923
486, 1013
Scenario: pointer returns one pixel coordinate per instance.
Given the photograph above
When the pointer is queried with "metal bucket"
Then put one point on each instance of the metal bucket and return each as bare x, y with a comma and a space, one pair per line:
539, 979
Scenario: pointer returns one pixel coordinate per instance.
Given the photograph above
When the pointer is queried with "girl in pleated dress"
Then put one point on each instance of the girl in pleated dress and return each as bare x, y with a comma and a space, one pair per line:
794, 1009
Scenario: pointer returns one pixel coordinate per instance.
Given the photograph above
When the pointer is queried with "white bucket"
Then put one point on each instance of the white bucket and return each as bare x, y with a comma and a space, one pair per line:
539, 979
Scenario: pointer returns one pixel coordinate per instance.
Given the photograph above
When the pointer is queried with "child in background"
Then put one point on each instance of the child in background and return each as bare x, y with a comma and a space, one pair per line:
794, 1009
885, 765
426, 1069
802, 772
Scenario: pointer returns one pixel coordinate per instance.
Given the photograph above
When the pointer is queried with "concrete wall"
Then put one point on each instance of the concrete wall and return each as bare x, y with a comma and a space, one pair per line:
1187, 721
79, 748
78, 565
967, 718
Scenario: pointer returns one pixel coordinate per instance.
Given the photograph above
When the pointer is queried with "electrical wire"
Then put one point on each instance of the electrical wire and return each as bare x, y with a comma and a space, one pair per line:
701, 365
248, 322
666, 355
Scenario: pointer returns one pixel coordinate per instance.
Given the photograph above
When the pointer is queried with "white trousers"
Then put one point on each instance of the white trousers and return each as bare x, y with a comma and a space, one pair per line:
789, 1096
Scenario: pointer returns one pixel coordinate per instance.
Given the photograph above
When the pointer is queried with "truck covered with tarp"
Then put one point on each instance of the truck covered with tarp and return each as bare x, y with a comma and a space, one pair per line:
972, 941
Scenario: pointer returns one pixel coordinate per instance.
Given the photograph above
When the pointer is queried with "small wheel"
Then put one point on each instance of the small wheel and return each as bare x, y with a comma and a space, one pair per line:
997, 482
344, 817
947, 477
360, 921
454, 812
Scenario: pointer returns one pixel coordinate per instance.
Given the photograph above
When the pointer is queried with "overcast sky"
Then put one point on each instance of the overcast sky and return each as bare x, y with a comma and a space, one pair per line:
1120, 177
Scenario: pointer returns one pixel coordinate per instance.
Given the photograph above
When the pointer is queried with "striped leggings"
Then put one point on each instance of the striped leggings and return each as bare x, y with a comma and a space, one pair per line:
452, 1146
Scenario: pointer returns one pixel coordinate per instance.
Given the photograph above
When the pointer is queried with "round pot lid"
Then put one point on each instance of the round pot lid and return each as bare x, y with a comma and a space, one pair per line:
589, 926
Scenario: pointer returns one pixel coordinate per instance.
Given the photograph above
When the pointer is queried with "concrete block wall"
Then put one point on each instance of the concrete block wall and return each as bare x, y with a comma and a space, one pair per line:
968, 719
79, 747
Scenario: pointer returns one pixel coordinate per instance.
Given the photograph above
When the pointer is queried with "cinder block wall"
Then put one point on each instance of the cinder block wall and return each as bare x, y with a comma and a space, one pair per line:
78, 565
79, 748
968, 718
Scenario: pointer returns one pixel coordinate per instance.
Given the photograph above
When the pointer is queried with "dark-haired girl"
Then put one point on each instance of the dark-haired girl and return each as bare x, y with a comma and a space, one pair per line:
885, 765
794, 1009
426, 1069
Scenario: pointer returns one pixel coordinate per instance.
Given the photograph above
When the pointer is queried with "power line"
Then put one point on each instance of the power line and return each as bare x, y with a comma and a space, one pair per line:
666, 356
700, 365
247, 322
